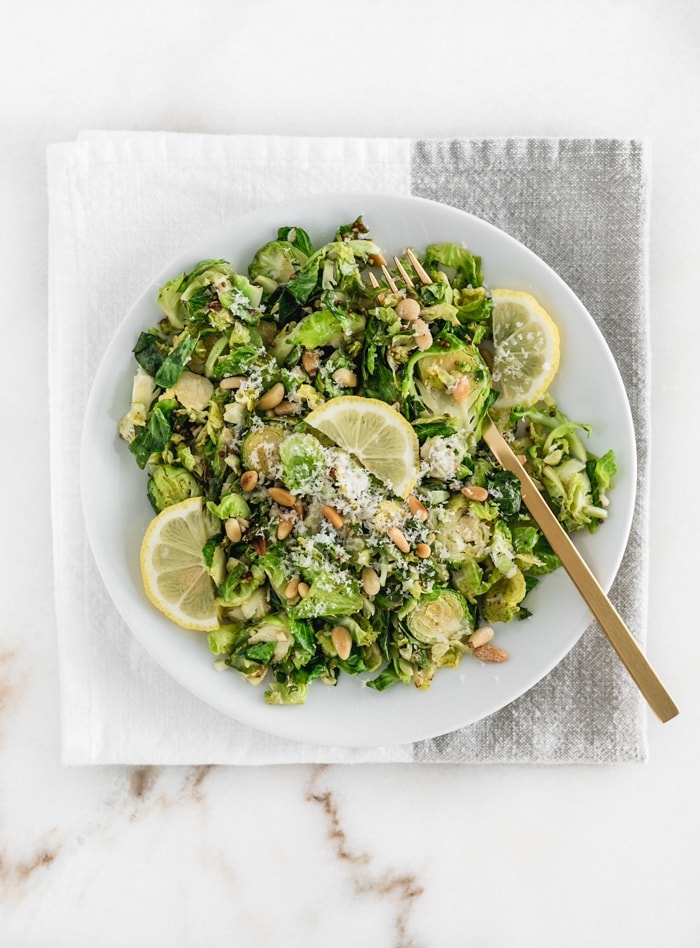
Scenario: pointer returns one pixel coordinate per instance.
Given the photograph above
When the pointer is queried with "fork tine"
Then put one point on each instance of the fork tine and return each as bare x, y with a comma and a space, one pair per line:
389, 279
373, 281
417, 266
402, 271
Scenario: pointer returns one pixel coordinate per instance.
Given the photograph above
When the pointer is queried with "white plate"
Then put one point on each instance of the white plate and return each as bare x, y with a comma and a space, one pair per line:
588, 388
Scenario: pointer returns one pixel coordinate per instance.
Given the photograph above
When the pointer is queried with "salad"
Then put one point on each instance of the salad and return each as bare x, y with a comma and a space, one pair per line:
312, 438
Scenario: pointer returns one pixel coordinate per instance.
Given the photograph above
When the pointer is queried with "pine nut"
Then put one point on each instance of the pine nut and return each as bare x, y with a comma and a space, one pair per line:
490, 653
487, 356
370, 581
233, 530
423, 335
333, 517
233, 381
377, 260
310, 362
522, 458
408, 309
286, 408
472, 492
271, 398
417, 508
423, 550
259, 544
292, 590
345, 377
420, 325
281, 496
460, 393
299, 509
303, 590
481, 636
249, 480
284, 528
342, 641
398, 539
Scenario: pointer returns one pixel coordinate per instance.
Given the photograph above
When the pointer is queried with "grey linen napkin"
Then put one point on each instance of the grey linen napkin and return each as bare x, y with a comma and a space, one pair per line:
582, 206
123, 204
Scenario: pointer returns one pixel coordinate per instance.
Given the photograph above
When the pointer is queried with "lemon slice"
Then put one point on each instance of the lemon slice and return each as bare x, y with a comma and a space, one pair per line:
526, 348
376, 434
175, 575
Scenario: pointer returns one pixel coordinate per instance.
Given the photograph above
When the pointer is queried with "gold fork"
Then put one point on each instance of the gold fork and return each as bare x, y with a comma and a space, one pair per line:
608, 618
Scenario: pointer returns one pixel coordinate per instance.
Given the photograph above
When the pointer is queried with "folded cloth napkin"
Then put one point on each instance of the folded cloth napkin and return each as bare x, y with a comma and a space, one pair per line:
122, 205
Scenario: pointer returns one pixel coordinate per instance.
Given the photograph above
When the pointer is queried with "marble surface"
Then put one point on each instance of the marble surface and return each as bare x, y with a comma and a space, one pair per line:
385, 855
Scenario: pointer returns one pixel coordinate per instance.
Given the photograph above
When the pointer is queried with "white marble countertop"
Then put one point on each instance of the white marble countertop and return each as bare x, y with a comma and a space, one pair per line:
377, 854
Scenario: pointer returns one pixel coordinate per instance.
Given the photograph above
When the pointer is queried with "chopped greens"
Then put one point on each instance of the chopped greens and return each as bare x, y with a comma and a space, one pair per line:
319, 569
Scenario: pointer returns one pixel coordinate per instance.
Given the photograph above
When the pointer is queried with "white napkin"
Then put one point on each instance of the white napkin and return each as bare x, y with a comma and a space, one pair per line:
122, 205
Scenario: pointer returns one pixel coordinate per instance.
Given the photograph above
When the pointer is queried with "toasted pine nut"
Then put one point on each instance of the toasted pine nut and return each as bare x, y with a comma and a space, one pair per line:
423, 550
281, 496
310, 362
232, 381
370, 581
303, 590
333, 517
249, 480
417, 508
420, 325
408, 309
377, 260
460, 393
286, 408
490, 653
284, 528
423, 335
472, 492
342, 641
299, 509
345, 377
487, 356
233, 530
271, 398
259, 544
292, 590
481, 636
398, 539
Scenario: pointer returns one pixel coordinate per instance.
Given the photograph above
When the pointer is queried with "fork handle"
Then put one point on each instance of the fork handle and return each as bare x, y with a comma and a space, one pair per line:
608, 618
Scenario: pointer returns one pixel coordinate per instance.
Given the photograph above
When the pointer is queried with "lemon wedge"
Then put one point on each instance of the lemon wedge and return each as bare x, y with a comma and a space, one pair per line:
175, 575
526, 348
376, 434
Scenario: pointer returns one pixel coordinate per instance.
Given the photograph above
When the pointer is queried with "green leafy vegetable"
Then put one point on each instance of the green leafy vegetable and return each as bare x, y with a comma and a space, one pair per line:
319, 570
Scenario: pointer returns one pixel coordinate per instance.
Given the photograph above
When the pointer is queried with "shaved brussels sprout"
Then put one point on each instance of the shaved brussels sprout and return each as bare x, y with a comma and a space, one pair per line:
462, 533
170, 485
275, 264
260, 450
213, 293
453, 381
441, 616
502, 601
303, 462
